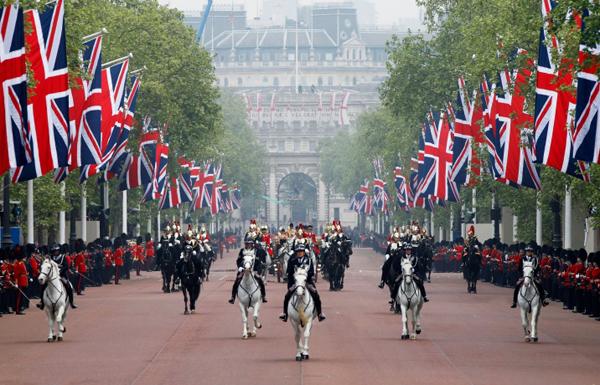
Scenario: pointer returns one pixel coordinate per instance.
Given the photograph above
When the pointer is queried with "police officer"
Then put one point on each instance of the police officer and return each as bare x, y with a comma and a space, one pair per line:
300, 259
248, 247
63, 268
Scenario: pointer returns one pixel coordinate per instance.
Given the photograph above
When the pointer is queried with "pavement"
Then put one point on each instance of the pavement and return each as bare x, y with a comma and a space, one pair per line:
135, 334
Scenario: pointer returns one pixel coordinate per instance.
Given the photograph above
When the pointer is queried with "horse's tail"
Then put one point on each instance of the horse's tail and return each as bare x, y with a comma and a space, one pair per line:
302, 316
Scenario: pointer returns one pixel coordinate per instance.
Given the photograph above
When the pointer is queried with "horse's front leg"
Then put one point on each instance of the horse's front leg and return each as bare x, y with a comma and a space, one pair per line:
51, 336
534, 319
305, 355
418, 318
404, 321
60, 315
297, 335
244, 312
525, 324
185, 299
257, 324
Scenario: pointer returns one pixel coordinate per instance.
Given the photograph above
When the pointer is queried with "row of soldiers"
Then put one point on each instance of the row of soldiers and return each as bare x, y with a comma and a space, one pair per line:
568, 276
99, 262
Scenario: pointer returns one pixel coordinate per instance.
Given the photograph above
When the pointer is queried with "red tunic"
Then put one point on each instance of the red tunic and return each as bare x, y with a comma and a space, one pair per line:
118, 256
108, 258
138, 253
21, 278
35, 267
149, 249
80, 263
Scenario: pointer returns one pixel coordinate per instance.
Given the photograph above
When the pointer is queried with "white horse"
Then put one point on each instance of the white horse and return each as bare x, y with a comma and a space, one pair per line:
529, 303
249, 296
55, 299
409, 297
301, 312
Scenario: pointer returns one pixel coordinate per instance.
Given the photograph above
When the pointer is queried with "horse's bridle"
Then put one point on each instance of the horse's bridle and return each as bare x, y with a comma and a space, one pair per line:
49, 282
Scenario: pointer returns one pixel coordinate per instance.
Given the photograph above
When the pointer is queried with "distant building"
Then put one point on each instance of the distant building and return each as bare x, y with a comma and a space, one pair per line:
301, 86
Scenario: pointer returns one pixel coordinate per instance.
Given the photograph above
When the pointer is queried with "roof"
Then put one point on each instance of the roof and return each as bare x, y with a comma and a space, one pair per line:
272, 38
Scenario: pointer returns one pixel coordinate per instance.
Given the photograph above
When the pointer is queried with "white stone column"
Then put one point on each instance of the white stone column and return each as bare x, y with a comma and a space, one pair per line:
515, 225
431, 229
273, 198
538, 221
83, 213
474, 204
30, 226
62, 218
441, 231
322, 208
568, 218
124, 211
149, 225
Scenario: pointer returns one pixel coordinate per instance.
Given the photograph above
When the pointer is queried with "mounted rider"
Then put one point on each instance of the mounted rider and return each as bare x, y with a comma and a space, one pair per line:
248, 249
265, 240
408, 250
530, 257
339, 237
392, 253
63, 267
300, 259
472, 245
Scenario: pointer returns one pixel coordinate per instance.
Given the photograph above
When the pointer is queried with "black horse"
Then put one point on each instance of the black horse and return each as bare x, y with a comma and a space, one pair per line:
207, 257
471, 267
338, 258
393, 267
165, 260
190, 272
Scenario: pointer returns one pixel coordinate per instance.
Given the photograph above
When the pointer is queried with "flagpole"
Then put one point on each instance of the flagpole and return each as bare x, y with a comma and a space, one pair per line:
568, 218
83, 212
62, 217
30, 229
124, 211
6, 237
538, 220
117, 61
94, 35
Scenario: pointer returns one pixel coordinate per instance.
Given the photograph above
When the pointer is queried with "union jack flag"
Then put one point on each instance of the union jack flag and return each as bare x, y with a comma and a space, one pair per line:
236, 198
437, 164
160, 170
401, 189
343, 118
225, 199
512, 124
13, 96
554, 106
120, 155
48, 101
203, 180
492, 140
215, 195
185, 187
114, 80
467, 136
170, 197
587, 111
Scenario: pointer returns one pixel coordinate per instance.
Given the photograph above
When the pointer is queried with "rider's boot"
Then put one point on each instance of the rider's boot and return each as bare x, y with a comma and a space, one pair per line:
381, 284
317, 299
515, 294
263, 291
69, 289
234, 289
284, 316
40, 305
422, 289
542, 292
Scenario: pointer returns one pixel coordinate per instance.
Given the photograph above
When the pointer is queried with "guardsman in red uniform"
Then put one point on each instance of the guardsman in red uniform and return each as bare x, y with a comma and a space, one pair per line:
118, 260
21, 280
81, 269
5, 283
265, 240
149, 246
138, 255
108, 260
313, 241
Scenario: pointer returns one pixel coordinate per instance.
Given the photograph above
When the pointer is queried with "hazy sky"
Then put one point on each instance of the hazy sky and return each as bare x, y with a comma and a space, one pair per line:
388, 11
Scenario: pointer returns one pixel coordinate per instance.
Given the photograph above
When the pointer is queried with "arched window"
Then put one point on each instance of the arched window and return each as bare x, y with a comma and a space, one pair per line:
225, 82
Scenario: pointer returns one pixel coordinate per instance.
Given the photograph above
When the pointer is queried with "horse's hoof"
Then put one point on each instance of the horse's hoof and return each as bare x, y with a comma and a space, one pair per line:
245, 337
50, 339
252, 335
259, 326
413, 336
53, 338
404, 337
298, 358
534, 339
193, 311
305, 356
186, 312
59, 339
527, 339
418, 331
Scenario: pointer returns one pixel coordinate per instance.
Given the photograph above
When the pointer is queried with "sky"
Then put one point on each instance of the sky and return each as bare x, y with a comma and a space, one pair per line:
388, 11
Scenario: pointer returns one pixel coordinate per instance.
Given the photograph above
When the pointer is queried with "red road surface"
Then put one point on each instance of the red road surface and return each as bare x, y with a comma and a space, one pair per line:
135, 334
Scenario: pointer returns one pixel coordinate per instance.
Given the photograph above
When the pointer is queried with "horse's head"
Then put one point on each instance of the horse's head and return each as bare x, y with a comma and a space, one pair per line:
408, 268
47, 271
300, 277
528, 270
248, 261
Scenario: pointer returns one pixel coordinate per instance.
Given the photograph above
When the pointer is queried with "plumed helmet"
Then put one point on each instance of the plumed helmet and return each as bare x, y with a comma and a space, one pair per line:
249, 239
55, 248
299, 247
264, 228
471, 231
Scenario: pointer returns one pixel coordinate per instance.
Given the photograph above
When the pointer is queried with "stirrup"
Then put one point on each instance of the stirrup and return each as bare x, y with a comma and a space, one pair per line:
321, 317
264, 299
514, 305
381, 285
425, 299
231, 300
40, 306
283, 317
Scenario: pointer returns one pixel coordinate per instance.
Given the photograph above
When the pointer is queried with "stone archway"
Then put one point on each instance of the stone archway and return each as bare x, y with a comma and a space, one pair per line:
297, 199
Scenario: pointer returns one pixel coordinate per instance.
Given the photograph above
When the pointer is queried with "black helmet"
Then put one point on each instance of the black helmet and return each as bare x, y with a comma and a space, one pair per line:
299, 247
249, 240
55, 248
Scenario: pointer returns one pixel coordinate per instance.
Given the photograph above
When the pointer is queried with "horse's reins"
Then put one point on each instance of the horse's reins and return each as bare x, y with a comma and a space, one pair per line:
535, 290
413, 284
254, 279
49, 282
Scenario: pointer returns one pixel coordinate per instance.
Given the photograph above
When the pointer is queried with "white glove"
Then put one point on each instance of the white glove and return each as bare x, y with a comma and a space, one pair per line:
194, 253
240, 269
387, 256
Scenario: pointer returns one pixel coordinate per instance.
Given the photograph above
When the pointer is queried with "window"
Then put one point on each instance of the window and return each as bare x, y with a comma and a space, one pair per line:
354, 81
225, 82
239, 82
296, 146
353, 54
320, 81
275, 81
